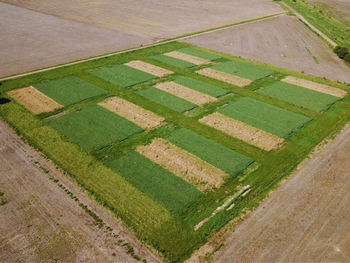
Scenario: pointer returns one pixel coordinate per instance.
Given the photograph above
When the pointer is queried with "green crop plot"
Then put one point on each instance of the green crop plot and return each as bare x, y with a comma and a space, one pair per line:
243, 70
94, 127
299, 96
200, 86
169, 190
121, 75
166, 99
200, 54
264, 116
221, 157
69, 90
173, 61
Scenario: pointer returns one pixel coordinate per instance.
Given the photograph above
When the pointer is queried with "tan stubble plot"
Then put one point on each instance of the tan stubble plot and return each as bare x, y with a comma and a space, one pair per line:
243, 132
149, 68
224, 77
191, 59
183, 164
35, 101
146, 119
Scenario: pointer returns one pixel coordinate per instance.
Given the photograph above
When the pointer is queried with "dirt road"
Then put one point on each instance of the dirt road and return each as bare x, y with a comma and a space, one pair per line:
305, 220
40, 222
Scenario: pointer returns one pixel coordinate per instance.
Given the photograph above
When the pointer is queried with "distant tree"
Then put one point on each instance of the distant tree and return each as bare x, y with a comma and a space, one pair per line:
347, 58
343, 52
337, 49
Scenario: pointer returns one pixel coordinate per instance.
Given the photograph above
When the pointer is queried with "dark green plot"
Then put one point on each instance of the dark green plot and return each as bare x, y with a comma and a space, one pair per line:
219, 156
122, 75
173, 61
94, 127
169, 190
197, 53
69, 90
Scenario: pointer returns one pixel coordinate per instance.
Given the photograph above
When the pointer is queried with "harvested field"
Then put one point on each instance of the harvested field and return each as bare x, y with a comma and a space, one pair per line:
189, 58
34, 100
264, 116
225, 77
167, 100
243, 132
173, 61
185, 93
316, 86
41, 223
149, 68
299, 96
198, 53
147, 120
305, 220
94, 127
171, 191
190, 168
217, 155
284, 42
121, 75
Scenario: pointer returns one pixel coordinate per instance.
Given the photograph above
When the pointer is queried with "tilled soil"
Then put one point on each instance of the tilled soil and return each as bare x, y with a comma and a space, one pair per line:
149, 68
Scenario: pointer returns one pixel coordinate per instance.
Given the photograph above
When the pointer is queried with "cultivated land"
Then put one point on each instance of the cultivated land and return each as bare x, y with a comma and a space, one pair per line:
284, 42
119, 164
42, 223
37, 34
305, 219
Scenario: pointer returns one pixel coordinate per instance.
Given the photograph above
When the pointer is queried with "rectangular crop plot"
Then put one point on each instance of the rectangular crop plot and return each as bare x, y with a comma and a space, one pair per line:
191, 59
173, 61
299, 96
121, 75
69, 90
243, 70
224, 77
164, 187
149, 68
166, 99
217, 155
94, 127
200, 86
264, 116
197, 53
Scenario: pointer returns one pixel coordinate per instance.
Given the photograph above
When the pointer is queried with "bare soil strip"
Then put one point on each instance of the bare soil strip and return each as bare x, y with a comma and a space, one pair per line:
34, 100
243, 132
316, 86
149, 68
192, 169
222, 76
185, 93
147, 120
192, 59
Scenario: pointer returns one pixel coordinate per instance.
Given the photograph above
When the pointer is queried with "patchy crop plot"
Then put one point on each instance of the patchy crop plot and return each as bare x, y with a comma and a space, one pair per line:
149, 68
173, 61
224, 77
191, 59
199, 54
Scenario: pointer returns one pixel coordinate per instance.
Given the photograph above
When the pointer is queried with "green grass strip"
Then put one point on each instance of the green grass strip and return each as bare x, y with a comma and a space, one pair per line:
299, 96
173, 61
219, 156
121, 75
243, 70
166, 99
69, 90
169, 190
200, 54
264, 116
200, 86
94, 127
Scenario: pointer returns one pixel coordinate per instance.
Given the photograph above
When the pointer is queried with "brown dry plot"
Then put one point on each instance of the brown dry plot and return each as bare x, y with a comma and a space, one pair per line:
305, 220
34, 100
192, 59
183, 164
284, 42
243, 132
145, 119
41, 223
185, 93
316, 86
149, 68
225, 77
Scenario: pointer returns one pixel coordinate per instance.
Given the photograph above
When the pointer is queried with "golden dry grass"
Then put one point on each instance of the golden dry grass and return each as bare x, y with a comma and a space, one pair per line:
191, 59
225, 77
149, 68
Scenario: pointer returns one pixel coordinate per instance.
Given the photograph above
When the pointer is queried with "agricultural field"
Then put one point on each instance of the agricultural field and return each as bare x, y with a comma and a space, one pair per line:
175, 154
37, 34
283, 42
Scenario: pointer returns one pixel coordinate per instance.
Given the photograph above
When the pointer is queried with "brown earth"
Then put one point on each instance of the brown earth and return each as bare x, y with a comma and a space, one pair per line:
34, 100
41, 33
41, 223
284, 42
305, 220
225, 77
192, 59
149, 68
